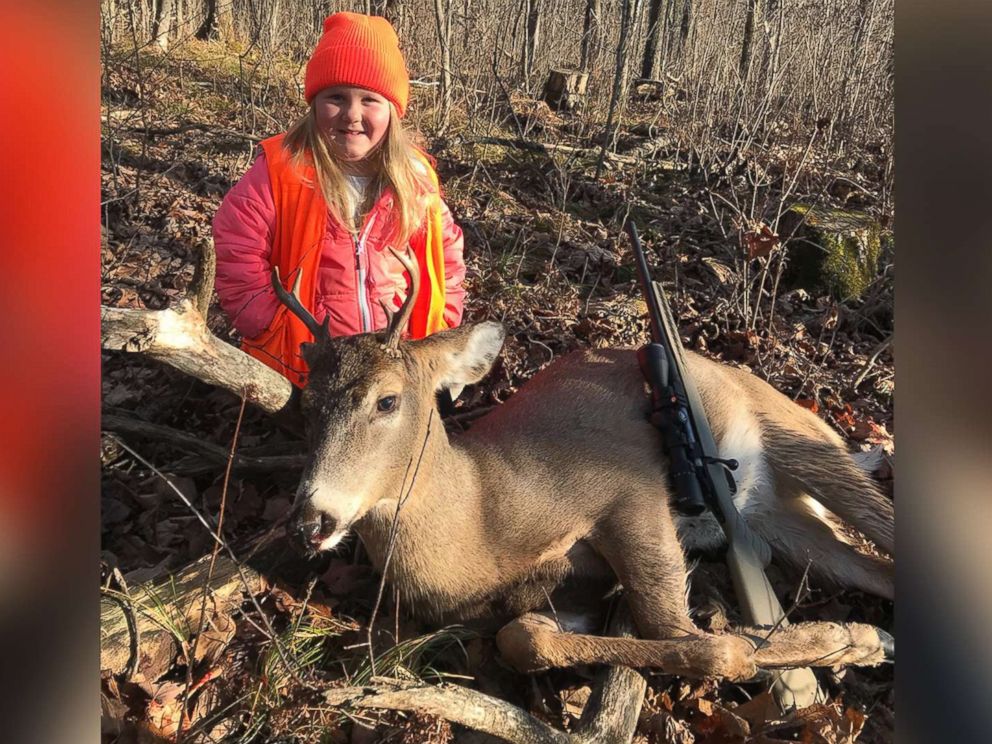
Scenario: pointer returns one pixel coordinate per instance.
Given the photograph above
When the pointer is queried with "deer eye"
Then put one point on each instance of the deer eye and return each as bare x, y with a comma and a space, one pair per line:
387, 404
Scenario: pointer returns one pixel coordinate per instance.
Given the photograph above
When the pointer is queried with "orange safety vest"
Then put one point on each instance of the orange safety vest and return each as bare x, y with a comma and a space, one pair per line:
301, 221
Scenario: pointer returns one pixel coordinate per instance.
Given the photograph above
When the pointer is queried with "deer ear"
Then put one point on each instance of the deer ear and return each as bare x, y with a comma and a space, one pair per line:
465, 355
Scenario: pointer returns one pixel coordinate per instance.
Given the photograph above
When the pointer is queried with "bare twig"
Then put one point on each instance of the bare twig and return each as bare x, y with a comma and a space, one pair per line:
876, 352
184, 700
391, 544
271, 634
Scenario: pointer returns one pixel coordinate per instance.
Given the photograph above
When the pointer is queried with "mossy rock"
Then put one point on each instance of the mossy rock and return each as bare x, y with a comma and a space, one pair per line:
832, 250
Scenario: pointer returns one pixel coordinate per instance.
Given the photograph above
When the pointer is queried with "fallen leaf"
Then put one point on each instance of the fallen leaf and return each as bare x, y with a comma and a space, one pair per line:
733, 724
758, 710
809, 404
703, 706
215, 637
760, 240
574, 701
723, 273
664, 727
164, 710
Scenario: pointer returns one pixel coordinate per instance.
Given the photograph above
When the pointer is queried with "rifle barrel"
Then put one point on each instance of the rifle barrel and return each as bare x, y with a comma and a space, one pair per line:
644, 274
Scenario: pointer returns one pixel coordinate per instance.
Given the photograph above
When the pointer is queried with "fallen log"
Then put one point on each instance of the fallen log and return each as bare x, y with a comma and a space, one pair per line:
180, 338
145, 628
610, 715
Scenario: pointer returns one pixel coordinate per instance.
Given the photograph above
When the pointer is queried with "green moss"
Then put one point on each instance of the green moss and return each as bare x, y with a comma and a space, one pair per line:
485, 153
832, 250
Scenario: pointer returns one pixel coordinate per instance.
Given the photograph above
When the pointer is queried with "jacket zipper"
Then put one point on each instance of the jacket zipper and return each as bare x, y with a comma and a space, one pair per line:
364, 311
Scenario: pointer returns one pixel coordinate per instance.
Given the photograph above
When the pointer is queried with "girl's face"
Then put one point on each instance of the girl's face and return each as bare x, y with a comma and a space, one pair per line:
353, 120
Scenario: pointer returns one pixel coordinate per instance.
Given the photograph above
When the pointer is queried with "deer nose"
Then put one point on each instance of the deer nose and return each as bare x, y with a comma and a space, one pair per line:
308, 529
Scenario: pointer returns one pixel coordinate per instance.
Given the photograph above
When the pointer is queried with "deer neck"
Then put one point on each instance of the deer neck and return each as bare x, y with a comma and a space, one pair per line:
435, 558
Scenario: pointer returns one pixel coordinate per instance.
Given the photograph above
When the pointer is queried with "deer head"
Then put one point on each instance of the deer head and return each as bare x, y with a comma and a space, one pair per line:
366, 409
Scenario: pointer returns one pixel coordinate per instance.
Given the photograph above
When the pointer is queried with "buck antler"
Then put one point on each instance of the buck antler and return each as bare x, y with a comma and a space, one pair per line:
292, 301
398, 321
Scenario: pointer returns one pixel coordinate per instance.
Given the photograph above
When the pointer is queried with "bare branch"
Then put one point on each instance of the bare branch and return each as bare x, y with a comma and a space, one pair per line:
180, 338
469, 708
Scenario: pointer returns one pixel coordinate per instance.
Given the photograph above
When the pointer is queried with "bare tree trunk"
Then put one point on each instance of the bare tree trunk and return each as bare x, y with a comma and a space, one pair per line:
468, 27
628, 11
859, 49
589, 53
108, 23
531, 38
685, 24
649, 62
442, 18
269, 39
391, 10
163, 24
146, 16
180, 20
218, 23
773, 30
746, 47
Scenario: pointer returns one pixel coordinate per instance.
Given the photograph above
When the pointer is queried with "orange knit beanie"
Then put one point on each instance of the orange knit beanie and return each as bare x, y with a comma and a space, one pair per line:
359, 50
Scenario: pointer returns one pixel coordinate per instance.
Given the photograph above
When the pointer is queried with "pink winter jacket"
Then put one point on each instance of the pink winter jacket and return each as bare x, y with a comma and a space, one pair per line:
348, 288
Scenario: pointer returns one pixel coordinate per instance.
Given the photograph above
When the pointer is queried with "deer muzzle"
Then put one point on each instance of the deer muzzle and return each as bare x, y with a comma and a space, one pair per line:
310, 530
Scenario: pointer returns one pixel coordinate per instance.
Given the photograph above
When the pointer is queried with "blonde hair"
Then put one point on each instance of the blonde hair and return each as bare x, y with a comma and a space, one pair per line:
397, 164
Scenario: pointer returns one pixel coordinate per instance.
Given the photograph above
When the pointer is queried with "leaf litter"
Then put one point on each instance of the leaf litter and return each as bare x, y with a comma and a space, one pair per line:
558, 279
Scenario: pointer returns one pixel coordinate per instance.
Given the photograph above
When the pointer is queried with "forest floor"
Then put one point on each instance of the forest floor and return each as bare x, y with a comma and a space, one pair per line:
546, 257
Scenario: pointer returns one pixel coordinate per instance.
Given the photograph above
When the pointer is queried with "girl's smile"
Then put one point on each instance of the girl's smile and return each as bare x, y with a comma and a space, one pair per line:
354, 121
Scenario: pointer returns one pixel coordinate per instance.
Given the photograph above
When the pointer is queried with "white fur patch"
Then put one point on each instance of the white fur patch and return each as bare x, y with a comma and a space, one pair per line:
742, 442
332, 540
871, 460
571, 622
755, 489
341, 506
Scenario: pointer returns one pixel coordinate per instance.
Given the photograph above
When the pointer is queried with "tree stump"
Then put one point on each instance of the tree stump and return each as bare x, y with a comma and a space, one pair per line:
649, 89
565, 90
832, 250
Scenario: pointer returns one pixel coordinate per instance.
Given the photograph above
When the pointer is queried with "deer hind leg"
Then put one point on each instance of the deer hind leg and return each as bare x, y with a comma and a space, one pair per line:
640, 543
826, 471
798, 530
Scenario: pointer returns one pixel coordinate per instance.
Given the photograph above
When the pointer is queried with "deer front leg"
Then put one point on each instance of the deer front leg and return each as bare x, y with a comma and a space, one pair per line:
821, 644
535, 642
640, 542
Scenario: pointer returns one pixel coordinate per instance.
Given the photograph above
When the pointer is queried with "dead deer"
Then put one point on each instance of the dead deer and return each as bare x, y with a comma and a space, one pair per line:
563, 487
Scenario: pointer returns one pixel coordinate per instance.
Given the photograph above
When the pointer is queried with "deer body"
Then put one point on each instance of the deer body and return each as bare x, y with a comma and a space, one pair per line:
521, 497
565, 484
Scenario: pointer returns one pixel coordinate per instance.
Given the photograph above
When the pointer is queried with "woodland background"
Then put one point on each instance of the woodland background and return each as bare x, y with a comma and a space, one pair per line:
751, 142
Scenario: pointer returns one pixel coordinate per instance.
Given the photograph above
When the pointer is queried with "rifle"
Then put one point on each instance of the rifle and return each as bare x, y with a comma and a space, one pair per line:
701, 479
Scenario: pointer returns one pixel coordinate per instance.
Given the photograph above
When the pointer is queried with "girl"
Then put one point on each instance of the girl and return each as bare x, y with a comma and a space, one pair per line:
328, 198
